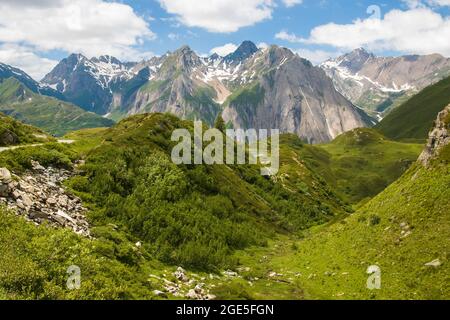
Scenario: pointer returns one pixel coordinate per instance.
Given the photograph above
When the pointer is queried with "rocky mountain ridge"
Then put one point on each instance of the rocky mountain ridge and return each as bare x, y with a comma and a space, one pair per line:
194, 87
379, 84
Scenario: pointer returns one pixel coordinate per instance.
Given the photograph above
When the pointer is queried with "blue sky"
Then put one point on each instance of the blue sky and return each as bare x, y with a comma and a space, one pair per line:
35, 35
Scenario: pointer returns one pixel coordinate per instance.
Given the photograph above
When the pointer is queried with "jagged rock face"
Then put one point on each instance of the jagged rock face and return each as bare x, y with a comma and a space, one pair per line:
87, 82
380, 83
298, 97
295, 97
439, 137
244, 51
291, 94
39, 196
175, 88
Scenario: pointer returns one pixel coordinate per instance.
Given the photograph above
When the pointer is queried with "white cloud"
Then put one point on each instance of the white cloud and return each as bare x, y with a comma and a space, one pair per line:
290, 37
316, 56
26, 60
418, 30
291, 3
91, 27
263, 45
220, 16
442, 3
413, 4
173, 36
225, 49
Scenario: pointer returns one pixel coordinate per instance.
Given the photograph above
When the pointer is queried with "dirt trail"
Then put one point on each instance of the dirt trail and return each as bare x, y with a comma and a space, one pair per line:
62, 141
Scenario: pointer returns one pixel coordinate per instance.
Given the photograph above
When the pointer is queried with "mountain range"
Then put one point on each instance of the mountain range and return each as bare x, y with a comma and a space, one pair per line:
250, 88
379, 84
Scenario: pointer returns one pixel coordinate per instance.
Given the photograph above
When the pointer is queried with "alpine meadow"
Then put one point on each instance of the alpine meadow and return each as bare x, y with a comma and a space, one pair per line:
224, 150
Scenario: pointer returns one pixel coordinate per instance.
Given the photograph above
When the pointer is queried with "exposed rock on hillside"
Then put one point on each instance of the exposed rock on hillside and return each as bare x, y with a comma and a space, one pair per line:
38, 195
439, 137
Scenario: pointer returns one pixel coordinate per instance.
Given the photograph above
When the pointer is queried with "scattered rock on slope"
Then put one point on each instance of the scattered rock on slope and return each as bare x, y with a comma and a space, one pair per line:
38, 195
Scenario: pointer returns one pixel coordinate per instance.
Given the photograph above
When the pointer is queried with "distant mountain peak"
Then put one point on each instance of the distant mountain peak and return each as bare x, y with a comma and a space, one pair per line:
184, 50
107, 59
244, 51
214, 56
362, 50
359, 55
76, 57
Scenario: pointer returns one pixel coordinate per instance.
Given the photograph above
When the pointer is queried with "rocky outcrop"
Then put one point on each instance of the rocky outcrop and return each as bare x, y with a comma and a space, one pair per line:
8, 138
39, 197
292, 95
183, 285
439, 137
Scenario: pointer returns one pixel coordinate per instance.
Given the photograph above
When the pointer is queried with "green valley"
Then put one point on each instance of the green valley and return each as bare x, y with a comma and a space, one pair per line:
413, 119
54, 116
290, 237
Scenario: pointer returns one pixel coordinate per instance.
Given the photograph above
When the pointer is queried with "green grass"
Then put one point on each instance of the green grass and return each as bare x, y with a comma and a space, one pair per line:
331, 261
48, 154
20, 133
49, 114
193, 215
211, 218
85, 140
414, 118
111, 266
203, 105
359, 164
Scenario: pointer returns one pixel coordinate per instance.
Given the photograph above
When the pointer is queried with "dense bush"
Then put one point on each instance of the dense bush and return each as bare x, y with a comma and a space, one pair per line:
50, 154
193, 215
34, 262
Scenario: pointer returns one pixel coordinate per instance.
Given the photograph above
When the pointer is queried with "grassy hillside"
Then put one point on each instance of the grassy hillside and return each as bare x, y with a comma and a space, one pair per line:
415, 117
401, 231
34, 262
192, 215
13, 132
52, 115
288, 237
359, 164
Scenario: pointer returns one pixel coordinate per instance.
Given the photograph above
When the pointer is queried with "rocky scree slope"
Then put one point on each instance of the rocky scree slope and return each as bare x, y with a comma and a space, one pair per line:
38, 195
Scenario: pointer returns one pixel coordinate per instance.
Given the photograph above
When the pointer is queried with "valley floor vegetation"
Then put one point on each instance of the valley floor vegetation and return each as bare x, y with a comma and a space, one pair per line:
310, 232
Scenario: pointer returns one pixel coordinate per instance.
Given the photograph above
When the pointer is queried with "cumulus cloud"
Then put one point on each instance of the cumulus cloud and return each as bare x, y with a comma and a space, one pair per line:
225, 49
91, 27
173, 36
317, 56
290, 37
413, 4
291, 3
441, 3
221, 16
419, 30
25, 59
